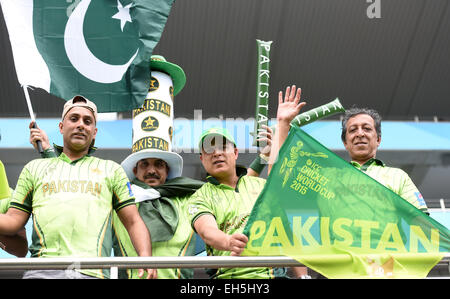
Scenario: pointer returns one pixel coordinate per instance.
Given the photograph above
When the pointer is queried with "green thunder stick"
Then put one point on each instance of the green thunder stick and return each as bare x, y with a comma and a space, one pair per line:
262, 89
317, 113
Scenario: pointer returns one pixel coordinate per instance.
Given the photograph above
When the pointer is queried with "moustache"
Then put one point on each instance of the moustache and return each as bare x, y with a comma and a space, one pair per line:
152, 176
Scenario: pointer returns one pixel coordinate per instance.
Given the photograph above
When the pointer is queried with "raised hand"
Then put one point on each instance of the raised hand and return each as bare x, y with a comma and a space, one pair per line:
289, 106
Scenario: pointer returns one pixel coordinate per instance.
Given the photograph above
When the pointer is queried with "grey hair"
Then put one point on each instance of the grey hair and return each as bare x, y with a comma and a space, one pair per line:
356, 111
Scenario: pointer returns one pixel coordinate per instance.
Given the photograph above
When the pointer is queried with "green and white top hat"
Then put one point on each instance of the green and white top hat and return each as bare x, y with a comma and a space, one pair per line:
153, 122
159, 63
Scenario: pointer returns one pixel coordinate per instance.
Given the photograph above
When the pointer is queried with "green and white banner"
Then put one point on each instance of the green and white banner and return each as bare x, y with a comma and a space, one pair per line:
320, 210
100, 49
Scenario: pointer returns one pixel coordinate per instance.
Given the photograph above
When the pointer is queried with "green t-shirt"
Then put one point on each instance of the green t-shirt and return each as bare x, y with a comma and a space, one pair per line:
181, 244
395, 179
231, 209
72, 204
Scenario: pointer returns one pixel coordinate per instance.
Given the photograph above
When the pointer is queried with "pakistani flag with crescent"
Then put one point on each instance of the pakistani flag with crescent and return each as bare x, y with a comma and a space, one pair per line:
100, 49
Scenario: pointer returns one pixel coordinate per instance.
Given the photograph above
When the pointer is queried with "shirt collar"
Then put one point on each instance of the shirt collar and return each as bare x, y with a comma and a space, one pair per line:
59, 149
240, 171
65, 158
372, 161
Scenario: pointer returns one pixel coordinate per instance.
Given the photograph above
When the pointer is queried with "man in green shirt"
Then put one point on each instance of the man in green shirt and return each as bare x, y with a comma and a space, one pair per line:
361, 135
72, 198
221, 207
163, 197
162, 202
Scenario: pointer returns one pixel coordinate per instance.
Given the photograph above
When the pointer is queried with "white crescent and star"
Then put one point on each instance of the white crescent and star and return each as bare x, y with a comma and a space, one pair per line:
123, 14
82, 59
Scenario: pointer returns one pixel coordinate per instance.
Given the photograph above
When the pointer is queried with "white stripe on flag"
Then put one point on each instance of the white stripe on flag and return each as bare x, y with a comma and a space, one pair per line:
30, 66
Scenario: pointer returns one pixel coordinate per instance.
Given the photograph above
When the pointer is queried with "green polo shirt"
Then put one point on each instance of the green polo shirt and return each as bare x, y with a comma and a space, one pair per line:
231, 208
72, 204
395, 179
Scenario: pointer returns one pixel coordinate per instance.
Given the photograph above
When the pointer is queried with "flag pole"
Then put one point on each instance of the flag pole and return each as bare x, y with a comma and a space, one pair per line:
30, 110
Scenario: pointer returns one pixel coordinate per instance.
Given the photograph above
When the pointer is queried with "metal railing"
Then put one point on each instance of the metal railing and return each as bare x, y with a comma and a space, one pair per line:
115, 263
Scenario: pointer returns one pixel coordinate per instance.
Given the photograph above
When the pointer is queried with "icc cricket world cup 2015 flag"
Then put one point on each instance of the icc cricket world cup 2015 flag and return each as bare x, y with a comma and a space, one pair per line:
335, 219
100, 49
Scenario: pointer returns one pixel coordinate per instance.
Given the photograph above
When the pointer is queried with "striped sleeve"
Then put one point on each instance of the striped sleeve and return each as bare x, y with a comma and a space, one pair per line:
409, 192
23, 195
200, 205
121, 188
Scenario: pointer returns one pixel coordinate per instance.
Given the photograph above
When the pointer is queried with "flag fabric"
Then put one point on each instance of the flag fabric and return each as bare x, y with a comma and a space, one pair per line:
100, 49
320, 210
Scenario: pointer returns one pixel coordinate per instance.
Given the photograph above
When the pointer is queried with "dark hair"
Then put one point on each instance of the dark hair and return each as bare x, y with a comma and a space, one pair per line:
356, 111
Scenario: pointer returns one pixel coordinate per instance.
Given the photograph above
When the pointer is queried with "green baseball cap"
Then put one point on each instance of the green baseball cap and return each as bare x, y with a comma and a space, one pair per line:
217, 131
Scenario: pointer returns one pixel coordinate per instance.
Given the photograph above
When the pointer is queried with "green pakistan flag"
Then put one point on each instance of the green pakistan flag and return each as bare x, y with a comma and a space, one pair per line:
335, 219
100, 49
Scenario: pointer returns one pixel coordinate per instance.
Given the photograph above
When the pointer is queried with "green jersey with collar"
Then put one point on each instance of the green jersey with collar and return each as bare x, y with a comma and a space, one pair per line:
231, 209
395, 179
72, 204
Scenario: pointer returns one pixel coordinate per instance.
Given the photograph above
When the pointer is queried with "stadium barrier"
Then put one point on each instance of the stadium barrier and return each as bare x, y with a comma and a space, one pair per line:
115, 263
